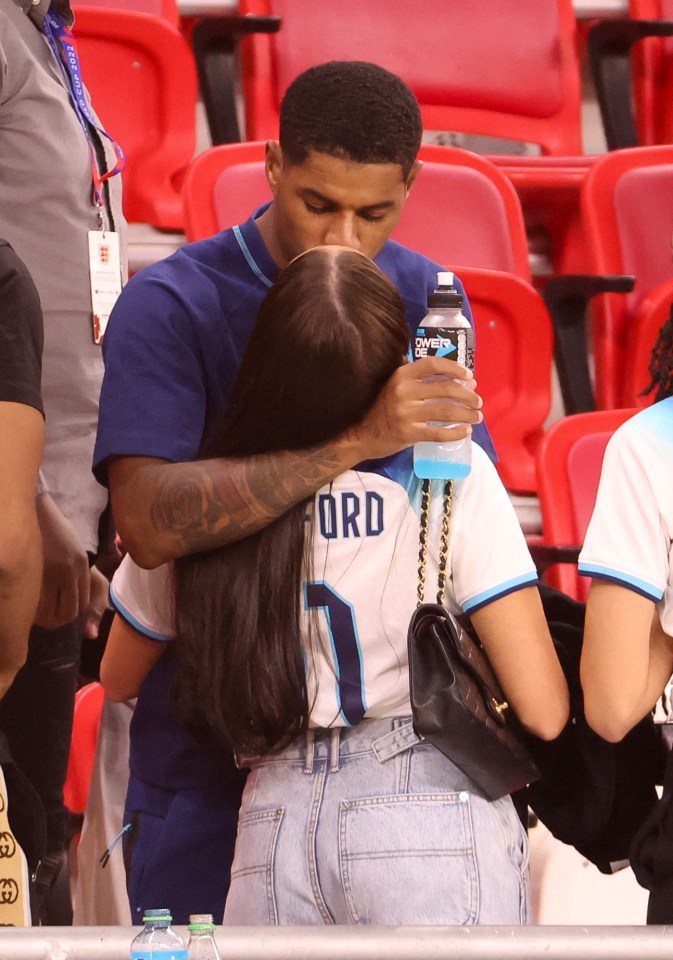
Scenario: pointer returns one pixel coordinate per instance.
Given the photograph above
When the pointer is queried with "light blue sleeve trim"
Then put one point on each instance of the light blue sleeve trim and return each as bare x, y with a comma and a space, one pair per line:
134, 622
623, 579
245, 250
495, 593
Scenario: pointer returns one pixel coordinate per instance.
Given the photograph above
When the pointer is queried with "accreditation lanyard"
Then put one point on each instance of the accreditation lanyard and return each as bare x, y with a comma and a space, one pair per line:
62, 42
104, 251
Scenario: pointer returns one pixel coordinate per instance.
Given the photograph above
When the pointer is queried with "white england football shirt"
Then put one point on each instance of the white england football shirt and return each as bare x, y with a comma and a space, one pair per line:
628, 540
360, 592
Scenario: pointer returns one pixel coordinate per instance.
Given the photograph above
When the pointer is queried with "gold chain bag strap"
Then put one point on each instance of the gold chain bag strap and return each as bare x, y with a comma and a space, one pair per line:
457, 702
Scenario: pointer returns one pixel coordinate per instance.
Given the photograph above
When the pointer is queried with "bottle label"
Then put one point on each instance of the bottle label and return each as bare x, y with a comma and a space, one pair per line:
144, 953
456, 343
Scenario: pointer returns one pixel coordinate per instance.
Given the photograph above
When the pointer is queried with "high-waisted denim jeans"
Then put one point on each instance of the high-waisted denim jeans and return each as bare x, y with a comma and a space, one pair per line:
370, 825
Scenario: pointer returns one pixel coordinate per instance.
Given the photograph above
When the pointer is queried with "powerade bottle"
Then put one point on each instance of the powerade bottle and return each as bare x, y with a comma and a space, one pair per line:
444, 332
158, 941
202, 944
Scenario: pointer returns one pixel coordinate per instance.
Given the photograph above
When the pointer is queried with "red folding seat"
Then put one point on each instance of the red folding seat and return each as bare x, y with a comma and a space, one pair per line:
627, 206
568, 461
462, 210
632, 64
519, 80
141, 74
168, 9
86, 722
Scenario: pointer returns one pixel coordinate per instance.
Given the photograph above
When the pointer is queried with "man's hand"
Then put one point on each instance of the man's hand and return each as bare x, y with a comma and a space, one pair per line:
98, 602
65, 577
432, 390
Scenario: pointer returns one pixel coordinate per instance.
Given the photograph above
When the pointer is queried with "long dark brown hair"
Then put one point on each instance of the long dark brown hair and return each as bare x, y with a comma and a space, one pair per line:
329, 334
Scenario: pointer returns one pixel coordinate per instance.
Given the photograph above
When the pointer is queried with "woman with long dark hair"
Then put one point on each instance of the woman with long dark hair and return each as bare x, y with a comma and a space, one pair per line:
291, 644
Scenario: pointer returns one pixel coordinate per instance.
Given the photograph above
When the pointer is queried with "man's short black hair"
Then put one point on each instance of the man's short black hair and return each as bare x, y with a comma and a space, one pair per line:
352, 110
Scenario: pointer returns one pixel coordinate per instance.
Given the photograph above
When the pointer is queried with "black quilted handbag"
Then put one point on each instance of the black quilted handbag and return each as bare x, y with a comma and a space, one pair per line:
456, 700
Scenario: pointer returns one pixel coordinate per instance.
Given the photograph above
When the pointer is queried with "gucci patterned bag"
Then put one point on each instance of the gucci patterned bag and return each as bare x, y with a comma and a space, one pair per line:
14, 882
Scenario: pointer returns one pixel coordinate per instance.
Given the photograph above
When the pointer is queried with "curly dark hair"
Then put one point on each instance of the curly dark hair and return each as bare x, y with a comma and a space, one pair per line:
661, 363
353, 110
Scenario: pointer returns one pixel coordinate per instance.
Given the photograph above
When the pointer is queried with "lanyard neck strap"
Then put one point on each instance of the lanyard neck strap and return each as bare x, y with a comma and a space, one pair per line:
62, 43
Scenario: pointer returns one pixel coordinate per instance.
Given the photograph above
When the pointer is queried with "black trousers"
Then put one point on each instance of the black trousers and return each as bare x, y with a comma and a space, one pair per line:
36, 717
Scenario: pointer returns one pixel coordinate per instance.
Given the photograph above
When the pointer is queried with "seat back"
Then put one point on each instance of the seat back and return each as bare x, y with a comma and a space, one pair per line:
168, 9
627, 204
653, 75
86, 722
462, 211
141, 75
568, 462
514, 380
222, 186
518, 79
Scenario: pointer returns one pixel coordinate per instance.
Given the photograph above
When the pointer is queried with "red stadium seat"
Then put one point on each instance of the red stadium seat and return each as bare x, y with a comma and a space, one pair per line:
513, 368
518, 80
221, 188
168, 9
569, 459
627, 205
86, 721
632, 65
653, 75
142, 78
461, 211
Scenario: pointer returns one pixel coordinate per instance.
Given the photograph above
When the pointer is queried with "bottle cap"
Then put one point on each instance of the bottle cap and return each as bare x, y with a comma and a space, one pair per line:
446, 298
200, 921
446, 294
162, 913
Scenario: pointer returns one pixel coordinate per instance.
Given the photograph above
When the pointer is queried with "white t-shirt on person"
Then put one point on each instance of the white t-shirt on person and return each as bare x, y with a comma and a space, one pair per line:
629, 537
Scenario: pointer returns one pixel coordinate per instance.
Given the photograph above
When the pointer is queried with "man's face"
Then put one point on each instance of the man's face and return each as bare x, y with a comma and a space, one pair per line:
328, 201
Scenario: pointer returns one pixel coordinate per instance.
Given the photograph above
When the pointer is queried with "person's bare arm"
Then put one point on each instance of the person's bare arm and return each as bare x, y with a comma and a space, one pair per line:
129, 656
21, 439
516, 637
65, 578
167, 510
627, 659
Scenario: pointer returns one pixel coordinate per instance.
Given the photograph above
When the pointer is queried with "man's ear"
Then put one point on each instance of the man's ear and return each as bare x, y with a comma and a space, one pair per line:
273, 164
413, 173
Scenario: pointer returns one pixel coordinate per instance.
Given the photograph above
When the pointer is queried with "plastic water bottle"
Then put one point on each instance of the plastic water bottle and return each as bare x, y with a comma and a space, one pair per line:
202, 944
444, 332
158, 941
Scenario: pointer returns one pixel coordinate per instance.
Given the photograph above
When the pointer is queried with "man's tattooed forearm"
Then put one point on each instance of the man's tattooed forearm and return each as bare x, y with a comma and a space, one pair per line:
210, 503
189, 508
291, 477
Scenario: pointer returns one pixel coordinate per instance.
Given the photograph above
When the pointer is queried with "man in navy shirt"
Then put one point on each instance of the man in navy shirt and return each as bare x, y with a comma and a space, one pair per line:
341, 173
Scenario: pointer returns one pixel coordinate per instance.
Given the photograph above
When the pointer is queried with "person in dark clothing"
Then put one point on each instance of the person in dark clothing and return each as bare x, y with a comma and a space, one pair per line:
21, 441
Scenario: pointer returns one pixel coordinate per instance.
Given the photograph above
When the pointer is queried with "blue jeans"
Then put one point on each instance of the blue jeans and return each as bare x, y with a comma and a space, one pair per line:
370, 825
